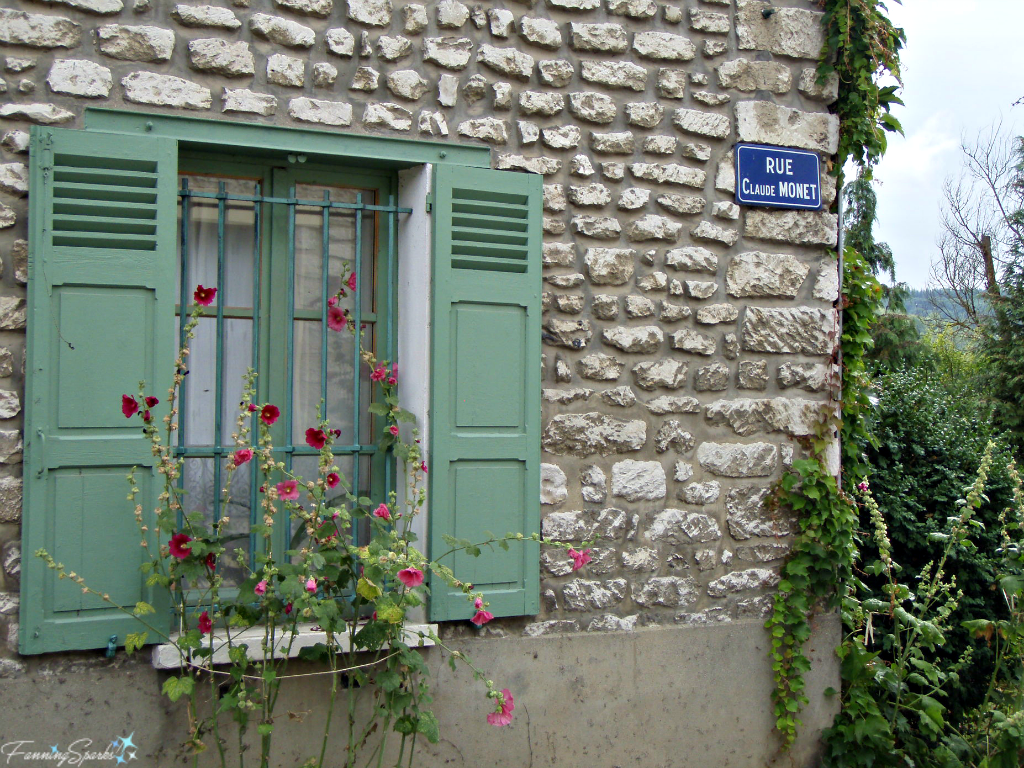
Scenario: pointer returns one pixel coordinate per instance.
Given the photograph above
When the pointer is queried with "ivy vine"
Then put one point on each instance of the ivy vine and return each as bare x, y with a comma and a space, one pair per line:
862, 48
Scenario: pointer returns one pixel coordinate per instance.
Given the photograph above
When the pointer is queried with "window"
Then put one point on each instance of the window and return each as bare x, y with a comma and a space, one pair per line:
259, 231
104, 291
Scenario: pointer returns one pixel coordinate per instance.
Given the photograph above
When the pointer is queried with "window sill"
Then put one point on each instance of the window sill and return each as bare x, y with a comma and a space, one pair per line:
167, 656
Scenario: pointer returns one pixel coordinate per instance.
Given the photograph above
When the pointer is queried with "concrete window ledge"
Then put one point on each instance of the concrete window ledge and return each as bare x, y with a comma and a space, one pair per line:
166, 655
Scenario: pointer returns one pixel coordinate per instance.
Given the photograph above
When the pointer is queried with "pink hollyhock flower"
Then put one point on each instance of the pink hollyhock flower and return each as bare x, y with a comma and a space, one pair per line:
411, 577
288, 608
379, 373
151, 401
204, 296
253, 408
241, 456
179, 545
288, 490
382, 512
352, 281
503, 715
478, 603
270, 414
332, 302
393, 429
316, 438
423, 467
311, 584
579, 559
392, 381
482, 617
862, 486
147, 416
336, 319
129, 407
260, 588
333, 479
205, 623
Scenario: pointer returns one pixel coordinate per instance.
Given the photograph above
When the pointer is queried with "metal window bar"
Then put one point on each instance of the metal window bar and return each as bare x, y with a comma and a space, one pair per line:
363, 444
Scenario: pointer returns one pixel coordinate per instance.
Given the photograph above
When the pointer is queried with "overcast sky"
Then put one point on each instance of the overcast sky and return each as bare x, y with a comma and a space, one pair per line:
963, 69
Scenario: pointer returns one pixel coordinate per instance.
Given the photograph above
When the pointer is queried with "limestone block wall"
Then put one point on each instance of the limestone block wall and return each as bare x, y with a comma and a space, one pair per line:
688, 340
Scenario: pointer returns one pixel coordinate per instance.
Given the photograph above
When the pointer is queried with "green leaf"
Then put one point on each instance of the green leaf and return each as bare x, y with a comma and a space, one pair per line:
134, 641
176, 687
143, 609
368, 590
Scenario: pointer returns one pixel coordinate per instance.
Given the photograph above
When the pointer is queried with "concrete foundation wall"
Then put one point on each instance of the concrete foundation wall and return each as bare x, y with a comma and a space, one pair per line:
662, 697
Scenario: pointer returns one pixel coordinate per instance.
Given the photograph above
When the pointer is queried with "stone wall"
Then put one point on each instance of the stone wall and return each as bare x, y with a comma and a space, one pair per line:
687, 339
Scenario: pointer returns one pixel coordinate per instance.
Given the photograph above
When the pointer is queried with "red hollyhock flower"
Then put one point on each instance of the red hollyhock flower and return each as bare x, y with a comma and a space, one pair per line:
316, 438
129, 406
352, 281
205, 623
333, 479
204, 296
241, 456
253, 407
336, 432
270, 414
382, 512
379, 373
179, 545
393, 429
147, 416
336, 319
211, 561
151, 402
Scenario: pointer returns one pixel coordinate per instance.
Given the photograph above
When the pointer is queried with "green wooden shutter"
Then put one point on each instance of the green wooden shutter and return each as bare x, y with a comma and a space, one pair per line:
485, 383
100, 319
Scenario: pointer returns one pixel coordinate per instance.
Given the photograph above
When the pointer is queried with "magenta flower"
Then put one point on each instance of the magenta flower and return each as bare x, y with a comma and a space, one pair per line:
862, 485
502, 715
129, 407
482, 617
423, 467
211, 561
411, 577
241, 456
379, 373
336, 319
260, 588
392, 381
269, 414
579, 559
393, 429
332, 302
352, 281
311, 585
316, 438
253, 408
204, 296
333, 479
288, 608
179, 545
478, 603
288, 490
205, 623
151, 401
382, 512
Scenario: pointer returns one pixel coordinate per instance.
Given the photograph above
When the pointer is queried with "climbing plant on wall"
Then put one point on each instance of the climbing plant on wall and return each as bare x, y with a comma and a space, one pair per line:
862, 49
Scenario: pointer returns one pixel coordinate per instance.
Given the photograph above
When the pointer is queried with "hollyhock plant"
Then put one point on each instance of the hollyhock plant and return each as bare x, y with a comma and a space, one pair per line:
288, 490
411, 577
269, 414
579, 559
204, 296
129, 406
503, 714
316, 438
205, 623
179, 545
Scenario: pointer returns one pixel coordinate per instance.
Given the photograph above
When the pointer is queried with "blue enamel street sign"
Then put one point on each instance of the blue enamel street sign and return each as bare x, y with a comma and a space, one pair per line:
777, 177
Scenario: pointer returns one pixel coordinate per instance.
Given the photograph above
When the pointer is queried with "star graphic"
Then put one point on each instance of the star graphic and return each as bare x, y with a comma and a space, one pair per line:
120, 760
127, 741
54, 749
131, 755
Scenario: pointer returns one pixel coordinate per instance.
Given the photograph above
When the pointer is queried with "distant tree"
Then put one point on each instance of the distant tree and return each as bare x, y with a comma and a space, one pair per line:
983, 227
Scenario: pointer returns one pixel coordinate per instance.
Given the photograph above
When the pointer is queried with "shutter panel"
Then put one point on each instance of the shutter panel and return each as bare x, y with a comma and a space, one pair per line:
485, 384
100, 319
